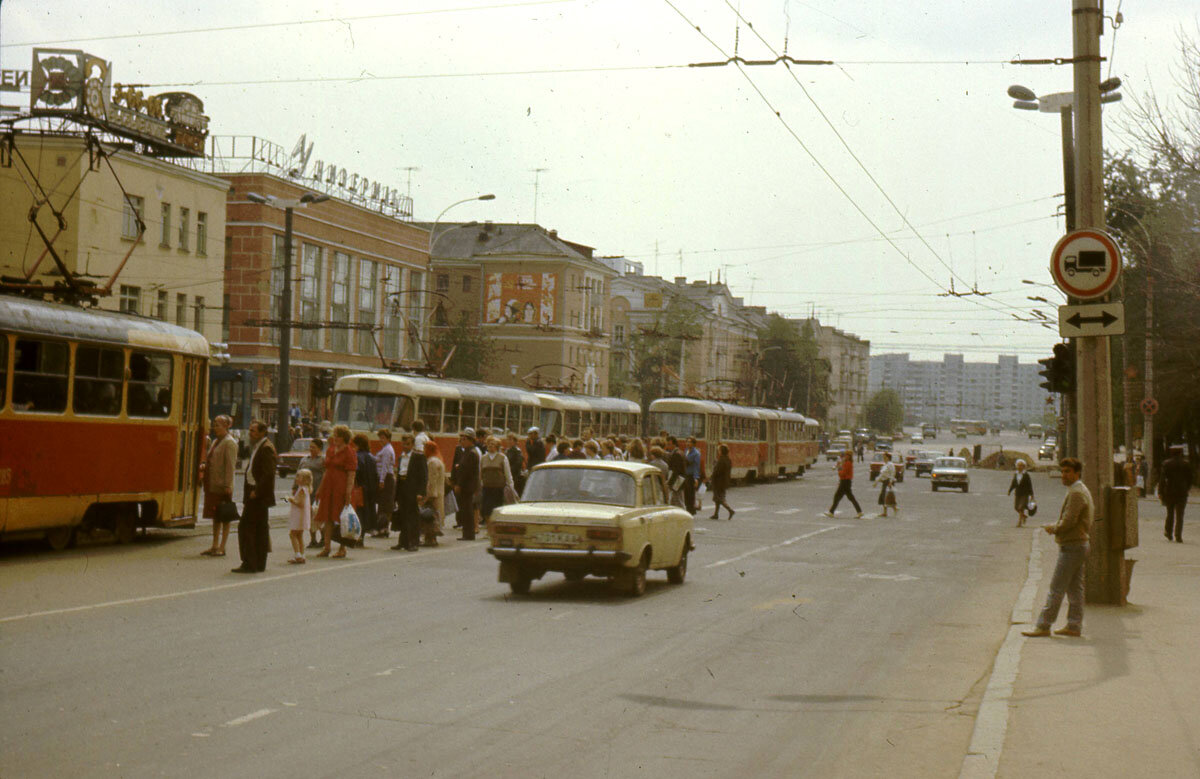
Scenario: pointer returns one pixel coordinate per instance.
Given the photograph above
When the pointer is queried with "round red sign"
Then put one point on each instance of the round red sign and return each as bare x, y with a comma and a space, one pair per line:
1085, 264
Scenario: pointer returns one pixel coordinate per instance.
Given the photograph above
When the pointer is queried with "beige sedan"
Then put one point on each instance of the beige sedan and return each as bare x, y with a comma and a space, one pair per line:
591, 517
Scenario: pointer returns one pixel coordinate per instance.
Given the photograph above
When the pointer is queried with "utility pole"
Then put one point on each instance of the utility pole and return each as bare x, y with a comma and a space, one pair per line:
1092, 379
1069, 408
283, 419
1148, 378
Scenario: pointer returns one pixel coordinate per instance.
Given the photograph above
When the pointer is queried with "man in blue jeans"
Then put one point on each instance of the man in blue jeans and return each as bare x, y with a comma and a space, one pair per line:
1072, 531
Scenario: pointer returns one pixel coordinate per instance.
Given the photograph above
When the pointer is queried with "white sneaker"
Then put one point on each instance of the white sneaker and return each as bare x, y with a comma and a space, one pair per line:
830, 514
860, 515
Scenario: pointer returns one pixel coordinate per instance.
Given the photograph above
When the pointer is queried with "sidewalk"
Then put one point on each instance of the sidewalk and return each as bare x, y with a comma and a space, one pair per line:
1123, 700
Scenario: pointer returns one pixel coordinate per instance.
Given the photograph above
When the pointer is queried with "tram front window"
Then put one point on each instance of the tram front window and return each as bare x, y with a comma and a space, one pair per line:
679, 424
363, 411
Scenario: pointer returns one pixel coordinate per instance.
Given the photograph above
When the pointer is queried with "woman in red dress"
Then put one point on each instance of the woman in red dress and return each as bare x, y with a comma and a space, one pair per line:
340, 465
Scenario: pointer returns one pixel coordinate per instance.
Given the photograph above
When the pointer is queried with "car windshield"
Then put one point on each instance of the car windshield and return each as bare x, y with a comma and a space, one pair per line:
579, 485
951, 462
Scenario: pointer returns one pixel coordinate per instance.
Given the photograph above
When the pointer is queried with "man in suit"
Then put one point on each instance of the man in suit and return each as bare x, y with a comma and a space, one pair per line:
411, 477
516, 461
535, 448
465, 478
254, 538
1173, 488
677, 463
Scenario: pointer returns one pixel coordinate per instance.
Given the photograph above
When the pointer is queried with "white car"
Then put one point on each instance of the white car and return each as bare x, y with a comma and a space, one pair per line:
950, 472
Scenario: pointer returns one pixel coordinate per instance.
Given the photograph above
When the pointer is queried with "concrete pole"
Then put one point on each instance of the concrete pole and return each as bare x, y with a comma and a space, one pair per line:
1069, 411
1093, 381
283, 432
1148, 419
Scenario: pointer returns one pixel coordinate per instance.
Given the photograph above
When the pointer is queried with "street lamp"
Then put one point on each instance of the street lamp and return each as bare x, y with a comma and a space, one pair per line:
433, 229
283, 437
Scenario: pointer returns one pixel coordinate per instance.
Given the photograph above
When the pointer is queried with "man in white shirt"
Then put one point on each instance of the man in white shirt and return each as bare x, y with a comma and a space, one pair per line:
385, 465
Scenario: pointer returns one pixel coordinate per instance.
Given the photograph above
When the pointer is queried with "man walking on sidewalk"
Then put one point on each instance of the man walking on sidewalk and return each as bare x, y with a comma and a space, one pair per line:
1072, 531
845, 482
1173, 488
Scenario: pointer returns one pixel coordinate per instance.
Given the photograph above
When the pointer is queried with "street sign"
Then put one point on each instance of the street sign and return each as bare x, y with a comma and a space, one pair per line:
1085, 263
1149, 407
1091, 319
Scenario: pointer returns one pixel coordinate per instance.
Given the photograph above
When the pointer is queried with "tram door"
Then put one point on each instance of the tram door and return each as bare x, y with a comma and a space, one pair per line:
772, 448
712, 437
191, 424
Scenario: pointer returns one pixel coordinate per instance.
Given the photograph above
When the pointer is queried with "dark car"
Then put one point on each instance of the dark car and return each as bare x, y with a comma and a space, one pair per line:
924, 462
289, 461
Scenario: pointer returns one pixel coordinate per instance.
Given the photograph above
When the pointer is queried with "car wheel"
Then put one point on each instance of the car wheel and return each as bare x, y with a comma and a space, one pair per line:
635, 583
676, 575
574, 576
60, 538
520, 586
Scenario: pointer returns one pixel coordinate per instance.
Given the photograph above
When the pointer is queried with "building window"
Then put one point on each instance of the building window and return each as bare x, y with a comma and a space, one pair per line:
368, 303
183, 229
466, 283
415, 303
225, 319
391, 313
201, 233
131, 299
619, 333
198, 317
160, 311
310, 295
339, 302
181, 310
165, 239
133, 214
443, 282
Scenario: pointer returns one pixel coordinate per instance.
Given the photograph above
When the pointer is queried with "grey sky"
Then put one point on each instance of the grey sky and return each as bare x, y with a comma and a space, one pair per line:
688, 160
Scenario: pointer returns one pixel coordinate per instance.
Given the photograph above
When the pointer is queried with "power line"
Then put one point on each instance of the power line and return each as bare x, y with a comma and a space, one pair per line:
292, 23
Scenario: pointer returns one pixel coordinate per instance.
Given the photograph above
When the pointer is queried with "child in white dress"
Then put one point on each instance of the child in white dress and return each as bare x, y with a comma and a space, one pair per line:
300, 516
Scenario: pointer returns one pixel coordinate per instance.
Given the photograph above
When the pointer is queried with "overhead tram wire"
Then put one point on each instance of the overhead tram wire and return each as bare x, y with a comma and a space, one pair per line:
817, 162
291, 23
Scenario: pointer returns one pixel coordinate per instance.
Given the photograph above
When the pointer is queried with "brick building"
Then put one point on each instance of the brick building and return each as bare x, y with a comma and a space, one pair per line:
351, 265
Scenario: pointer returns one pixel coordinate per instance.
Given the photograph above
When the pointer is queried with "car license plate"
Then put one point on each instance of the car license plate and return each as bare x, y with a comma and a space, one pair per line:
552, 537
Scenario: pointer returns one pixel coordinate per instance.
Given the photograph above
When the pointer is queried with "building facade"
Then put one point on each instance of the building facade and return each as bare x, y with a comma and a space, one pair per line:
849, 366
1005, 392
172, 271
540, 300
359, 281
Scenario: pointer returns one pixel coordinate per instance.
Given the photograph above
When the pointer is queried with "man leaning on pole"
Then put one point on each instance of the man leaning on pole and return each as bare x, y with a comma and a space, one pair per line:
1072, 531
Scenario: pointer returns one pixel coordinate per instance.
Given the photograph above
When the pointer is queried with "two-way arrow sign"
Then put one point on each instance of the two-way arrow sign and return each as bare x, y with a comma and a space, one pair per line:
1091, 320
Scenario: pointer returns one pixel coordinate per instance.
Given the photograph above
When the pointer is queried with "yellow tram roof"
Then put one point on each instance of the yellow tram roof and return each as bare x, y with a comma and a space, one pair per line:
25, 316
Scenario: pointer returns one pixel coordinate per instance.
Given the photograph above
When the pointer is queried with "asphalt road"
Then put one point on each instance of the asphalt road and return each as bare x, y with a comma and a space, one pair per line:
799, 646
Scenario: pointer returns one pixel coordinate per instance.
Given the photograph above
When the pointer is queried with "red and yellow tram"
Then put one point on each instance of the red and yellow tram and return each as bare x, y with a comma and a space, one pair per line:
101, 421
366, 402
762, 442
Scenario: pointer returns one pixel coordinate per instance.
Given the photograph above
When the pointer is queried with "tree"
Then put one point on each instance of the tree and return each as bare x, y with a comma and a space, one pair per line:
654, 351
474, 351
791, 372
885, 412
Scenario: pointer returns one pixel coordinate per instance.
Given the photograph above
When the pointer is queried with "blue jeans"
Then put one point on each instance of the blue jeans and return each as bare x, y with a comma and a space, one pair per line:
1067, 580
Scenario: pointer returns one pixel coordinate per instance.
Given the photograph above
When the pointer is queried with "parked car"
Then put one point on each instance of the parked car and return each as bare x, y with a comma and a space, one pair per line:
917, 438
288, 462
950, 472
591, 517
834, 452
910, 457
876, 465
924, 462
883, 446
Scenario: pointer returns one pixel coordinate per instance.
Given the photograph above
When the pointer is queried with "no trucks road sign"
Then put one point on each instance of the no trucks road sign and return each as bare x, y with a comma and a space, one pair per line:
1085, 264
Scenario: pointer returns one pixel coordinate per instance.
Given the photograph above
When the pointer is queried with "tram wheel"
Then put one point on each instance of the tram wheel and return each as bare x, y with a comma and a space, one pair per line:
60, 538
125, 527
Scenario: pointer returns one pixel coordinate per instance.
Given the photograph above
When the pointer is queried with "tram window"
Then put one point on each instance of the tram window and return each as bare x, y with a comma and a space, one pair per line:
571, 426
549, 422
483, 416
430, 412
98, 375
500, 416
3, 367
525, 420
450, 417
149, 392
360, 411
468, 414
404, 414
39, 376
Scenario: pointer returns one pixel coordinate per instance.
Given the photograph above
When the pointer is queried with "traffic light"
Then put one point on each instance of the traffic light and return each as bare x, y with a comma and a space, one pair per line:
1064, 356
323, 383
1059, 370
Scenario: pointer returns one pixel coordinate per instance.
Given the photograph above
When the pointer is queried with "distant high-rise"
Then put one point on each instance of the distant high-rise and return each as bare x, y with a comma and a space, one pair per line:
1004, 392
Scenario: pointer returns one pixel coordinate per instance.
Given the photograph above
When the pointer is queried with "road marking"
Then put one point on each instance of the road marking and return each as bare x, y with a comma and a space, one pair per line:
231, 585
788, 511
991, 722
893, 577
792, 601
563, 614
233, 723
788, 542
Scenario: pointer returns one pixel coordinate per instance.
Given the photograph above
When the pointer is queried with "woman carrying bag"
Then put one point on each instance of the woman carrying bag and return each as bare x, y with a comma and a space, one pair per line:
1023, 485
887, 478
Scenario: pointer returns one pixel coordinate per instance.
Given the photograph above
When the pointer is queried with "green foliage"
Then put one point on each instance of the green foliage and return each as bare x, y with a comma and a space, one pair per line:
885, 412
654, 351
474, 351
791, 373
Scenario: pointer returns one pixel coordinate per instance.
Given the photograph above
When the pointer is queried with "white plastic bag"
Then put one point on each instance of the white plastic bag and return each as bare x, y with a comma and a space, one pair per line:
349, 526
701, 491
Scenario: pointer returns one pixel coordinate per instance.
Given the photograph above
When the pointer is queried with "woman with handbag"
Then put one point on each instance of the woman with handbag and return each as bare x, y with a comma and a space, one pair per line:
341, 463
1023, 486
434, 503
218, 474
495, 476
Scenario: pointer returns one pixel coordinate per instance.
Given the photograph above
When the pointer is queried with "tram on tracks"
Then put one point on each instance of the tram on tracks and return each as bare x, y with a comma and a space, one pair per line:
366, 402
102, 421
763, 442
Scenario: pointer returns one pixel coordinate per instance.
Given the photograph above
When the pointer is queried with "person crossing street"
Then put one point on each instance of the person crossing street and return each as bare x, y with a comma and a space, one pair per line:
845, 485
